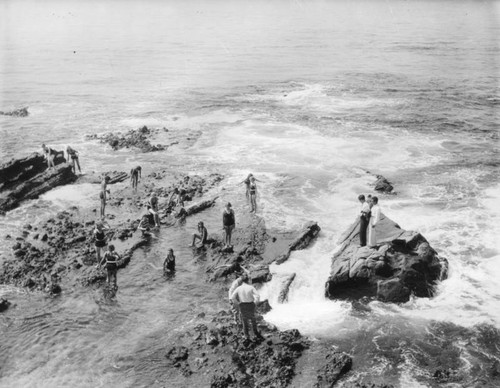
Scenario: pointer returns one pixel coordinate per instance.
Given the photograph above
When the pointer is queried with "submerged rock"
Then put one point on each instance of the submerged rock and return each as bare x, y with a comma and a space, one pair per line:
138, 138
383, 185
4, 304
402, 263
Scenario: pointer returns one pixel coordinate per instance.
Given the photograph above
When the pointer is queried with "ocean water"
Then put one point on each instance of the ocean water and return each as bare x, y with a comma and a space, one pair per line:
307, 95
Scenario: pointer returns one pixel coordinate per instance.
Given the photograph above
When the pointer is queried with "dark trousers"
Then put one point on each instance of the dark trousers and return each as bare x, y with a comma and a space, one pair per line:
247, 314
363, 226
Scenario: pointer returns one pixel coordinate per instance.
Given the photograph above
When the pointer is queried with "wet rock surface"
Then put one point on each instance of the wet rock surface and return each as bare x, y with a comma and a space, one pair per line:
137, 138
4, 304
401, 264
22, 112
22, 187
336, 365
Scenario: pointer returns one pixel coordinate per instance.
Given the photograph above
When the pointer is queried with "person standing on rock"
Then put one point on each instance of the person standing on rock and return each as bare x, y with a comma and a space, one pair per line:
102, 194
202, 236
253, 195
247, 297
363, 219
169, 263
374, 220
100, 240
50, 155
73, 155
135, 175
110, 262
228, 223
247, 182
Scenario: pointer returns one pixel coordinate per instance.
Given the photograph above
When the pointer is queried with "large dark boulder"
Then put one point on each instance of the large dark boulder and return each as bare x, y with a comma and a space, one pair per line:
402, 263
35, 186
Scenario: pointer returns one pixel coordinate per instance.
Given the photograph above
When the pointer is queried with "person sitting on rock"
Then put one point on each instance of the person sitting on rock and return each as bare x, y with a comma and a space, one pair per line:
110, 262
247, 297
103, 196
74, 156
50, 155
364, 218
175, 199
146, 221
135, 175
228, 224
169, 263
153, 202
247, 182
100, 240
202, 236
374, 220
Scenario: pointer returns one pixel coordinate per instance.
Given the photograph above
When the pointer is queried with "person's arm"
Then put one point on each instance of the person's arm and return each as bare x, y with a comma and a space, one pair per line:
132, 175
234, 295
140, 173
103, 260
234, 217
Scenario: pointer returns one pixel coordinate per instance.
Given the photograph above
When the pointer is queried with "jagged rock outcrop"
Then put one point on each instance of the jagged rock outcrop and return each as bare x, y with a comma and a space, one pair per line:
306, 235
383, 185
17, 171
285, 288
23, 112
402, 263
198, 207
337, 365
33, 187
138, 138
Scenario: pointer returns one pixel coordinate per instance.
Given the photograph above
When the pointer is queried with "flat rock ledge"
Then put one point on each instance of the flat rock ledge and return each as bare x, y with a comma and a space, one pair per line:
401, 264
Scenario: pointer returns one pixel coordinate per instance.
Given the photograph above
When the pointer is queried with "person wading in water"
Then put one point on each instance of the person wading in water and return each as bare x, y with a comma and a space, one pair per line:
110, 262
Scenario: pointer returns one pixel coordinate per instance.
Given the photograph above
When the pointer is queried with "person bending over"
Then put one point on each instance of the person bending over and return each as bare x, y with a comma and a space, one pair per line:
135, 175
74, 156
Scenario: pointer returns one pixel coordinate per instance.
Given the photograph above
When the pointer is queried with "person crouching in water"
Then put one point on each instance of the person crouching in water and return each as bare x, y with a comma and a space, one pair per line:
100, 240
146, 221
169, 263
153, 203
73, 155
135, 175
247, 297
202, 236
110, 262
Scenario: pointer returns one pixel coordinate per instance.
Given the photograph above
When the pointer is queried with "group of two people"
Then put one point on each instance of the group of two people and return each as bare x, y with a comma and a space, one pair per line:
369, 219
50, 154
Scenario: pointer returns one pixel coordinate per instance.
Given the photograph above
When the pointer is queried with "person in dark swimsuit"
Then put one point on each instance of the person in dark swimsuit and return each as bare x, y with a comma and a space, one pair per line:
169, 263
103, 196
100, 240
73, 155
135, 175
153, 202
228, 223
110, 261
202, 236
247, 182
253, 195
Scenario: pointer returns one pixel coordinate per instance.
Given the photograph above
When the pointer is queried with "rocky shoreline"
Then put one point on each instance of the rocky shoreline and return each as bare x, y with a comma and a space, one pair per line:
57, 255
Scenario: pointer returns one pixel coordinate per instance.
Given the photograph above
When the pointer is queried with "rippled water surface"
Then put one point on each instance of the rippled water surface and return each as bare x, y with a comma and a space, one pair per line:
307, 95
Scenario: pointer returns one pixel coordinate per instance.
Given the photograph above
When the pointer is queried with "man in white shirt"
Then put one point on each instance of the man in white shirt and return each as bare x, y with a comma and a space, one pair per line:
247, 297
235, 309
364, 218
